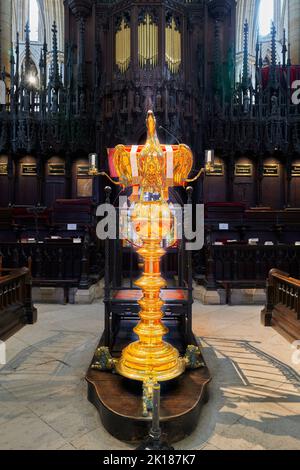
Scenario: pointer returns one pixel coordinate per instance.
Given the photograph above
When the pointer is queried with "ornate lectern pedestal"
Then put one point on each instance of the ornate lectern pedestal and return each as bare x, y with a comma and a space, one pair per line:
150, 170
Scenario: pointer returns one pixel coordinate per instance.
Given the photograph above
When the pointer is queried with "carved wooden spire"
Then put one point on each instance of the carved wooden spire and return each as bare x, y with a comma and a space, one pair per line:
27, 48
245, 77
257, 51
273, 45
284, 49
55, 79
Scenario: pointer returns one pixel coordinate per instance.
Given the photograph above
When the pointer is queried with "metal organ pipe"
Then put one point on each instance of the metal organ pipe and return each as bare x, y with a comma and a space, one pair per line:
123, 45
148, 42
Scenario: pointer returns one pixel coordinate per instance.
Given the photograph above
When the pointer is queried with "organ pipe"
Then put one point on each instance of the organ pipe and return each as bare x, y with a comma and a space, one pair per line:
173, 47
123, 46
148, 43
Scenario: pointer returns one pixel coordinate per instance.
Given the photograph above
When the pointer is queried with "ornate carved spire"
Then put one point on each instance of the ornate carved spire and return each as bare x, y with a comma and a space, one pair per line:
245, 79
55, 80
27, 48
273, 75
289, 61
257, 51
273, 45
12, 62
44, 62
17, 51
284, 49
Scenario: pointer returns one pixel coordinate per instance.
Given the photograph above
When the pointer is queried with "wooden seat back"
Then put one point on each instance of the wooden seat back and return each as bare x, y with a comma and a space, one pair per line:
282, 310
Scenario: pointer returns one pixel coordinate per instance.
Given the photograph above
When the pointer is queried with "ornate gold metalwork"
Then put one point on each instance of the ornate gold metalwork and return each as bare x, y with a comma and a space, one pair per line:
148, 42
104, 360
147, 397
173, 46
152, 171
123, 45
193, 357
151, 359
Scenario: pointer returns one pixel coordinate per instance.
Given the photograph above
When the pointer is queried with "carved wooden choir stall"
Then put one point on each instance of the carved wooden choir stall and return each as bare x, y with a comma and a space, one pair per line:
123, 58
16, 308
282, 310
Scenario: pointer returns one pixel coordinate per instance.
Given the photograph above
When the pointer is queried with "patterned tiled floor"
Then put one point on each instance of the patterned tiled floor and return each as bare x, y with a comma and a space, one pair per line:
254, 396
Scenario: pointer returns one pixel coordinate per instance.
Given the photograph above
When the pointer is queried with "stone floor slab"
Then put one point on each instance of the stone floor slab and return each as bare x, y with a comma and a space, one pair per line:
254, 395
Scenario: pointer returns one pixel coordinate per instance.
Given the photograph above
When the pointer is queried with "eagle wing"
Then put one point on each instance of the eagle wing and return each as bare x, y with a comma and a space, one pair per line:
122, 165
183, 164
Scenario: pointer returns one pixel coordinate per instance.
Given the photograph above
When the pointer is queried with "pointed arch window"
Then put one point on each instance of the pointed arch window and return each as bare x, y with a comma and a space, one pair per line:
34, 14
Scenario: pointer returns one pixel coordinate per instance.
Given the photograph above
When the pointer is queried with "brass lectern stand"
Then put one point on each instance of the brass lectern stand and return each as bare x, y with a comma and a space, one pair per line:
125, 410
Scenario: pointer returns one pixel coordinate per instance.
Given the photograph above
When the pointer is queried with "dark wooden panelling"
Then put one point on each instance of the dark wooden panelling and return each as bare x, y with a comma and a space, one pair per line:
295, 188
244, 186
215, 187
55, 185
4, 188
26, 186
273, 187
76, 191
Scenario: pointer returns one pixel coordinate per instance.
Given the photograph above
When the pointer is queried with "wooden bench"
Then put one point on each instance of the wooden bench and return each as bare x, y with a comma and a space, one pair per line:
16, 308
282, 310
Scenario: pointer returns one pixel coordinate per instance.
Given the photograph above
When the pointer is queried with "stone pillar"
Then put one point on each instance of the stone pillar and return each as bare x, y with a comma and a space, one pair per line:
277, 14
5, 34
294, 30
20, 15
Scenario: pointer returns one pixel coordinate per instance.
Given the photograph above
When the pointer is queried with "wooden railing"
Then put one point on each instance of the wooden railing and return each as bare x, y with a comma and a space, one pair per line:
56, 262
246, 263
16, 308
283, 304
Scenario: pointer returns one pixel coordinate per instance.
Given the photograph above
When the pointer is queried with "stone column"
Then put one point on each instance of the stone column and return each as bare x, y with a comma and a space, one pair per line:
5, 34
20, 15
294, 30
277, 14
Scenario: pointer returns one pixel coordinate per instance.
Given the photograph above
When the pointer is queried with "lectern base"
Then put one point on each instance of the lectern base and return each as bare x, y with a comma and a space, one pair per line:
119, 403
